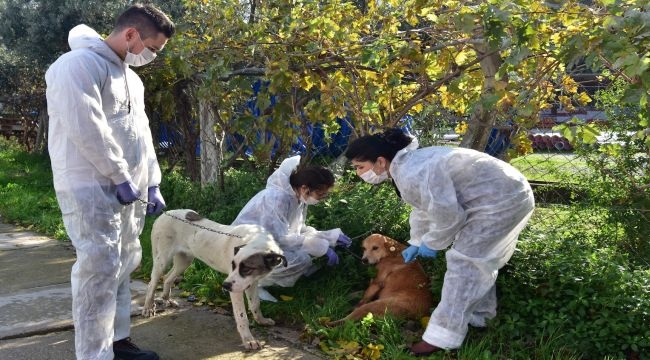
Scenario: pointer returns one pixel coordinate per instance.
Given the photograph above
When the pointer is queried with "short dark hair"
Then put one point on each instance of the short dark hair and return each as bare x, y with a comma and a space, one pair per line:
147, 19
316, 178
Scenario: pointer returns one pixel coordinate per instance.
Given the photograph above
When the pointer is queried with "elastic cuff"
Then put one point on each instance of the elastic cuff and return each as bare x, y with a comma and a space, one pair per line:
414, 242
121, 178
442, 338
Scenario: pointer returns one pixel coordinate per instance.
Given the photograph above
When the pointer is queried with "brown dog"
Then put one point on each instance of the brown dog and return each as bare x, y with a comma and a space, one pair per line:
399, 288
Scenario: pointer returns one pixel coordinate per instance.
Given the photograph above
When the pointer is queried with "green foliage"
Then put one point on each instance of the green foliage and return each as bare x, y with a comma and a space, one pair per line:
572, 290
575, 282
361, 209
26, 193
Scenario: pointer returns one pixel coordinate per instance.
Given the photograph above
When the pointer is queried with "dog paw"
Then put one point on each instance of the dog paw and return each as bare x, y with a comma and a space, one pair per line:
252, 344
148, 312
172, 303
265, 321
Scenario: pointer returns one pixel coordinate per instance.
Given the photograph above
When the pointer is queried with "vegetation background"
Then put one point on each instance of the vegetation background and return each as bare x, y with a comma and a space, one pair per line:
246, 79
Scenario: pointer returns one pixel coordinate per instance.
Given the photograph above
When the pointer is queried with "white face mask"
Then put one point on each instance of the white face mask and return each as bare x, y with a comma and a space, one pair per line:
371, 177
309, 200
143, 58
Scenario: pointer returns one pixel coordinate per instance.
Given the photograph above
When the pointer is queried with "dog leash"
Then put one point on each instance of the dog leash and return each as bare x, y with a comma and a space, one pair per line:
201, 226
145, 202
350, 251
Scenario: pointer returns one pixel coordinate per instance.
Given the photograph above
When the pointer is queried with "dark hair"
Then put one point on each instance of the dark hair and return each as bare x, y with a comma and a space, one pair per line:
147, 19
315, 177
370, 147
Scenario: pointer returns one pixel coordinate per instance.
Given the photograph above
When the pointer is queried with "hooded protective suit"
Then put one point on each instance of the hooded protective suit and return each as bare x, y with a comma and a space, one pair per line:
278, 209
99, 136
478, 205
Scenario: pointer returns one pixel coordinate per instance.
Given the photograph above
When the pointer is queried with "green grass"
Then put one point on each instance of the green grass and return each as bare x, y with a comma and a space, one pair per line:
551, 167
573, 290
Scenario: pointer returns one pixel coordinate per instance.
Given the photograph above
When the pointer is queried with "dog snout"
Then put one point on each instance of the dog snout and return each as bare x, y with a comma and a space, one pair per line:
227, 285
364, 260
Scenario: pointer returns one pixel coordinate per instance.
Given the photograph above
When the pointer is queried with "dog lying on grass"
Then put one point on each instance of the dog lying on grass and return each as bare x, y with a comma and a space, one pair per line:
401, 289
246, 253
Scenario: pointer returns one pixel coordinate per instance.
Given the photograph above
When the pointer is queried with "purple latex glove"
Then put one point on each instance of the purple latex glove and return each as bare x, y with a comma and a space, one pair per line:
410, 253
332, 258
156, 201
343, 241
127, 193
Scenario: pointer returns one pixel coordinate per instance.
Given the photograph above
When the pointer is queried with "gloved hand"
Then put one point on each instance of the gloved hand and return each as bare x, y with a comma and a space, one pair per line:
332, 258
424, 251
410, 253
343, 241
156, 201
127, 193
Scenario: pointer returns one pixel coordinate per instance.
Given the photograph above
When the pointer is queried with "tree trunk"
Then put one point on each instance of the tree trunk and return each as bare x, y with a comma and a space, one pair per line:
211, 145
41, 135
482, 119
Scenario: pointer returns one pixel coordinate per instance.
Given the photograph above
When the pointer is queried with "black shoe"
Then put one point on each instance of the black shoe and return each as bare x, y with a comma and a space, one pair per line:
126, 350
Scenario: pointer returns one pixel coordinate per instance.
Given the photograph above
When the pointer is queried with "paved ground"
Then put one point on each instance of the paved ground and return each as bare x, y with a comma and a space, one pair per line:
36, 319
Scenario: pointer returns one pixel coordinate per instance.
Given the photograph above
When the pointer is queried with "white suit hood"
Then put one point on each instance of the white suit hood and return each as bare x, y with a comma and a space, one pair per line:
278, 210
83, 36
279, 180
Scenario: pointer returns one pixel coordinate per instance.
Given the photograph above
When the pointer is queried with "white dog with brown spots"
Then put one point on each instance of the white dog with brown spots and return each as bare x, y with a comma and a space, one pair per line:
246, 253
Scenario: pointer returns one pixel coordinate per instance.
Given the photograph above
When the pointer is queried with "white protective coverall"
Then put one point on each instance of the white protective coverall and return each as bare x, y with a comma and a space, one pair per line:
99, 136
478, 205
278, 209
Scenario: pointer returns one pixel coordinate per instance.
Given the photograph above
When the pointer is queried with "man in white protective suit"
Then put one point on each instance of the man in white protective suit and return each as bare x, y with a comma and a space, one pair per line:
105, 171
462, 198
281, 208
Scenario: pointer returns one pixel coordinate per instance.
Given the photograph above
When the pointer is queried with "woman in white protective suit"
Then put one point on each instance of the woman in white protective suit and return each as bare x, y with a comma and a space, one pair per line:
281, 208
461, 198
105, 171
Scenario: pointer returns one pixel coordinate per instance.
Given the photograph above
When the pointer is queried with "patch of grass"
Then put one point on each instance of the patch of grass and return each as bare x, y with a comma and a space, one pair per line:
574, 288
551, 167
26, 192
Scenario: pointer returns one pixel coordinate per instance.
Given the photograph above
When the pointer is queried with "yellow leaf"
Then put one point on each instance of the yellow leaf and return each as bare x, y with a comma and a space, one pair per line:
424, 321
286, 298
570, 85
583, 99
461, 58
566, 103
461, 128
372, 352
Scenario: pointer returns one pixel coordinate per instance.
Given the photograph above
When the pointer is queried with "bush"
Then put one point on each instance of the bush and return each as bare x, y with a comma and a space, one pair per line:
579, 287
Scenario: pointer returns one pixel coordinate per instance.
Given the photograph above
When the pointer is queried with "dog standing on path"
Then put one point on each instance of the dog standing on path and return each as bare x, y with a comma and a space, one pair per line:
246, 253
401, 289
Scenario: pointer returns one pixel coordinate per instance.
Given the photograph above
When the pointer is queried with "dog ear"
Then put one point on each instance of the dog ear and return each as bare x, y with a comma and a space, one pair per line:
272, 260
237, 248
193, 216
391, 245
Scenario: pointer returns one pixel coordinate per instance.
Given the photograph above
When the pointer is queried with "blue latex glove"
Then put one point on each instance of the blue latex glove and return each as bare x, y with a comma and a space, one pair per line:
410, 253
127, 193
424, 251
344, 241
332, 258
156, 201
